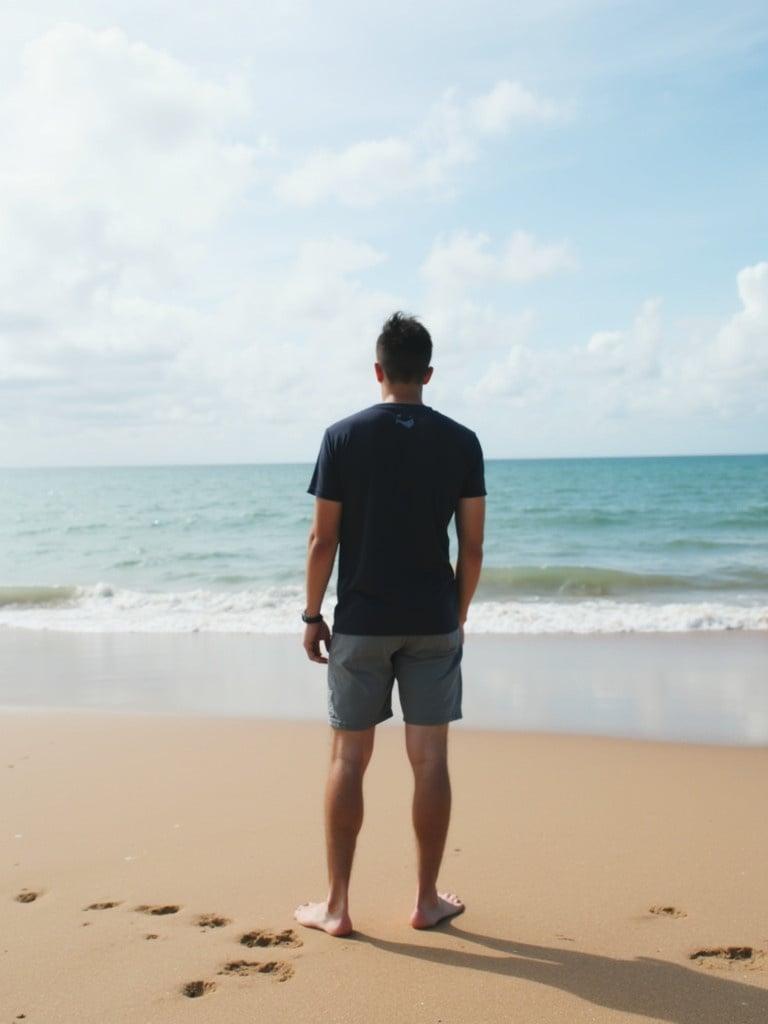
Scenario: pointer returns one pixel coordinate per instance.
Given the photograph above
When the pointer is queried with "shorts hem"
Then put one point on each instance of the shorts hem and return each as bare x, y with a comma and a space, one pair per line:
336, 724
440, 721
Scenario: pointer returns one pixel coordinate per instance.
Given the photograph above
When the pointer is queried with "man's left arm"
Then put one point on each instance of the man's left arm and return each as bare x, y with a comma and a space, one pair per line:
321, 554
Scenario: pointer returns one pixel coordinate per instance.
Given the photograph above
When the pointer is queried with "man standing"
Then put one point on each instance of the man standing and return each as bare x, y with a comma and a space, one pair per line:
387, 482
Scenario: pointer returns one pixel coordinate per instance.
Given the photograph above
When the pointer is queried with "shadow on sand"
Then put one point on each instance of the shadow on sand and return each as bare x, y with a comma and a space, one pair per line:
653, 988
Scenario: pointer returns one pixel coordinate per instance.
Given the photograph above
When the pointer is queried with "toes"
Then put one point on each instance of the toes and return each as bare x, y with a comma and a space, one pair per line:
453, 899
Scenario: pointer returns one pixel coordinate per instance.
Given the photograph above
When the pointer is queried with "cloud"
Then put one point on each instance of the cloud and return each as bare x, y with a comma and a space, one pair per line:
463, 260
650, 367
371, 171
118, 160
119, 166
292, 341
508, 102
741, 347
360, 175
122, 171
127, 132
516, 377
628, 354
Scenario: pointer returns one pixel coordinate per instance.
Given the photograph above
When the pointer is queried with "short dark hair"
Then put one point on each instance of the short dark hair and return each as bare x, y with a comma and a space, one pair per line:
404, 348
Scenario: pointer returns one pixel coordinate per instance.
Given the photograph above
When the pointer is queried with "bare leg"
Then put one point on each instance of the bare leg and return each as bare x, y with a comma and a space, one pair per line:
350, 753
427, 747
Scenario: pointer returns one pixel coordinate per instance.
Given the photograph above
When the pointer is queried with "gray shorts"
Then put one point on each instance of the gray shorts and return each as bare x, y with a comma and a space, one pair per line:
362, 670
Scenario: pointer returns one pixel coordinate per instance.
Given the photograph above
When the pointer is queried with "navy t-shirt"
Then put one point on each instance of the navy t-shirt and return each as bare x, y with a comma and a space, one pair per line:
398, 469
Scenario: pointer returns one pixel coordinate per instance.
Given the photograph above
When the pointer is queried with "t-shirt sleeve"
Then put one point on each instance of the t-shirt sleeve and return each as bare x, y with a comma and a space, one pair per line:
474, 481
326, 481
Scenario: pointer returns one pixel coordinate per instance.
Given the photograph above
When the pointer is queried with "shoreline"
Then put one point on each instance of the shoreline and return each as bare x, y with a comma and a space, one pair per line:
473, 635
95, 714
696, 687
107, 608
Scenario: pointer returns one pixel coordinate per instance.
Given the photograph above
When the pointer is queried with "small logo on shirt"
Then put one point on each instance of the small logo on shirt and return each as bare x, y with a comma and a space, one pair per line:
404, 423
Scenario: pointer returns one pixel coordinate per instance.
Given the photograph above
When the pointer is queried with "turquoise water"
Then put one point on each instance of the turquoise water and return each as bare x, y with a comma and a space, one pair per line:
576, 545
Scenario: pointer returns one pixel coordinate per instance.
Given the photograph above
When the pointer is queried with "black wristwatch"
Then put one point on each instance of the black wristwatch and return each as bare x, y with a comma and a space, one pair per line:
311, 619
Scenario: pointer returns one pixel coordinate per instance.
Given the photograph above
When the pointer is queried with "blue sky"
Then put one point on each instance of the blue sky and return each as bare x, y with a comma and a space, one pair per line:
207, 213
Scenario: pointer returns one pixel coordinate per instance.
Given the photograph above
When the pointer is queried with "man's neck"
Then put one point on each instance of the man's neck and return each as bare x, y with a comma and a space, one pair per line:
403, 397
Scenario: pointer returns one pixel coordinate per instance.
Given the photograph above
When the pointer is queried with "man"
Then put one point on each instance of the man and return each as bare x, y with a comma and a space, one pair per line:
387, 482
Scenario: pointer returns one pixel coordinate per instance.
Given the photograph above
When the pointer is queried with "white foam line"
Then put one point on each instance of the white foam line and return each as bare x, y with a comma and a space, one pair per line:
104, 608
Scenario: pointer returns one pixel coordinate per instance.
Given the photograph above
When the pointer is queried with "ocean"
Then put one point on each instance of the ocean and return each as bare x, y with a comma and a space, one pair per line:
601, 545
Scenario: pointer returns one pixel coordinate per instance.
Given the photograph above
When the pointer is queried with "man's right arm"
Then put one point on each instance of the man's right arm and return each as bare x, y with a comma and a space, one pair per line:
470, 528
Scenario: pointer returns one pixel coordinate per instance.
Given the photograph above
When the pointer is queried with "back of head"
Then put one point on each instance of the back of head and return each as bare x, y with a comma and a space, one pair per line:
404, 349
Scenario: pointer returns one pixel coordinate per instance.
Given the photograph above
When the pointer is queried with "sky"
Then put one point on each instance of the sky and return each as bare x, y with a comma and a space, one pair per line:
207, 212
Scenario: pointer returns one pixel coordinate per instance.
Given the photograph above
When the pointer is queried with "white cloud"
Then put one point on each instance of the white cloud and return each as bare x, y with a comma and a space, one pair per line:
508, 102
517, 377
118, 165
463, 260
360, 175
629, 354
370, 171
291, 342
649, 368
741, 347
121, 170
124, 137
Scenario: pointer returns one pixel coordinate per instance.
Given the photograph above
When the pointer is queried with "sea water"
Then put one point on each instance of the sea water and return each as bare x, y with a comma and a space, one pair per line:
572, 546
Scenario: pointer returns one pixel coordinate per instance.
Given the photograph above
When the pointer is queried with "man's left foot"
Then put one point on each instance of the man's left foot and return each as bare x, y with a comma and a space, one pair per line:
317, 915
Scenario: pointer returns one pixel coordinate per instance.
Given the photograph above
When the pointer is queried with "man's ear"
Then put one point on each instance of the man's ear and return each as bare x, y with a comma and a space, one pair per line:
428, 374
379, 371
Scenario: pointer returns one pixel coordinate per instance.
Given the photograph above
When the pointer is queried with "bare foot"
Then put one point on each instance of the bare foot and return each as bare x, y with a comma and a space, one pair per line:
317, 915
425, 916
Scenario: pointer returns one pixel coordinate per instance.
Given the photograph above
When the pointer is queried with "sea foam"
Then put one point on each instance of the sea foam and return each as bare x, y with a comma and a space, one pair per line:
104, 607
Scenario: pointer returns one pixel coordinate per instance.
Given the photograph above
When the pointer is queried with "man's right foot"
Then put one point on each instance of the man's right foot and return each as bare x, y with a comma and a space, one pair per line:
317, 915
429, 914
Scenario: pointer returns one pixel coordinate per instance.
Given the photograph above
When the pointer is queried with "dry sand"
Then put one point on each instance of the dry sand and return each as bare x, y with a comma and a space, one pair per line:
560, 846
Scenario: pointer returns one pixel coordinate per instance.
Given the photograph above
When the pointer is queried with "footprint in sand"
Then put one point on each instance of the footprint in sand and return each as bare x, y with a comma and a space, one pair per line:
722, 956
159, 910
667, 911
195, 989
280, 970
27, 896
105, 905
263, 937
211, 921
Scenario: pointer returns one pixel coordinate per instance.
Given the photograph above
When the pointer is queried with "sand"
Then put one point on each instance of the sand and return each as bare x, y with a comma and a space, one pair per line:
560, 845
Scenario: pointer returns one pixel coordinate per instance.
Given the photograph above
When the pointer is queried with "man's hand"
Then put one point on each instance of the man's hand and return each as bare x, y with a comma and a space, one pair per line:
461, 633
314, 632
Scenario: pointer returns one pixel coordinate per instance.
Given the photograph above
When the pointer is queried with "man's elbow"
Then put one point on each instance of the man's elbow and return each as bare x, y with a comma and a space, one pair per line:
471, 550
322, 543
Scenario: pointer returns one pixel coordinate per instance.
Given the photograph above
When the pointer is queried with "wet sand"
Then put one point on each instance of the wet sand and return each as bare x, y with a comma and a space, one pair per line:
704, 687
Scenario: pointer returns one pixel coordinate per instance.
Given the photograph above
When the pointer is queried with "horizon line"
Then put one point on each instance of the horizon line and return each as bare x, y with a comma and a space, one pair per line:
310, 462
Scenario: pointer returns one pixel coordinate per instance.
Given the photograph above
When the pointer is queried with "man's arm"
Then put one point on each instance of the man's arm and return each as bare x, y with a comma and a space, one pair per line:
470, 528
321, 554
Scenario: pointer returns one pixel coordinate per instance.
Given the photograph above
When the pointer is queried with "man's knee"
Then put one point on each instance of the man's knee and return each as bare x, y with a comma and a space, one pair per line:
352, 748
427, 747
